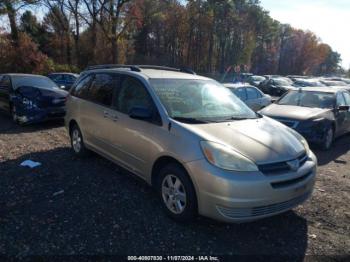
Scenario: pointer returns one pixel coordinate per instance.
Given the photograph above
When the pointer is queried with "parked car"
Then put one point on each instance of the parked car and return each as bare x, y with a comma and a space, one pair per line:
250, 95
255, 80
63, 80
301, 82
320, 114
272, 76
335, 83
31, 98
196, 143
342, 79
276, 86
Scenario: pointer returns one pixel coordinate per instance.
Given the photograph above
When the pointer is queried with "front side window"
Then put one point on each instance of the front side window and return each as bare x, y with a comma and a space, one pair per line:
308, 99
199, 99
347, 98
340, 100
101, 89
82, 88
132, 94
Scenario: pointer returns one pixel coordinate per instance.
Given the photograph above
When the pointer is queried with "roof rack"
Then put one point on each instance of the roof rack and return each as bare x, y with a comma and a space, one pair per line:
137, 68
182, 69
107, 66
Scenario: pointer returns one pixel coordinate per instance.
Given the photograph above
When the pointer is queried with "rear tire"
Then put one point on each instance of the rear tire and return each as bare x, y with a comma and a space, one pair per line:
77, 142
176, 193
328, 139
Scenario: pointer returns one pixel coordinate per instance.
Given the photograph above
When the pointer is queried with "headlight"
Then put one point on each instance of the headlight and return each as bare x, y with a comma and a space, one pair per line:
28, 103
318, 119
302, 140
226, 158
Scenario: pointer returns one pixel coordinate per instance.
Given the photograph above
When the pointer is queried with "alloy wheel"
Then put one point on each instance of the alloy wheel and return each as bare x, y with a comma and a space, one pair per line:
76, 140
174, 194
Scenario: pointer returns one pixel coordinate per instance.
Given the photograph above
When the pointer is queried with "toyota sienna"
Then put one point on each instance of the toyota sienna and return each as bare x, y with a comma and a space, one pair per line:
202, 149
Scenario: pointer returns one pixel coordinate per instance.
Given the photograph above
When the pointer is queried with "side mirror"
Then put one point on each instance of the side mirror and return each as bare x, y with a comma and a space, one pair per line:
343, 108
141, 113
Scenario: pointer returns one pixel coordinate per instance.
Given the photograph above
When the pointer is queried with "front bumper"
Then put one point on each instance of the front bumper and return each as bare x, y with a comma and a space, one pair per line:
314, 135
35, 115
242, 197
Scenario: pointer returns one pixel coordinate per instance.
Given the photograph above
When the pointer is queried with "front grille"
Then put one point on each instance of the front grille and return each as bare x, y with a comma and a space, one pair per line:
279, 167
286, 183
242, 213
290, 123
46, 102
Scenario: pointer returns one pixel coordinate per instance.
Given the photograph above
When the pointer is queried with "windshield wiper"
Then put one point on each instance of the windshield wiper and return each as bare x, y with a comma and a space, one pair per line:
190, 120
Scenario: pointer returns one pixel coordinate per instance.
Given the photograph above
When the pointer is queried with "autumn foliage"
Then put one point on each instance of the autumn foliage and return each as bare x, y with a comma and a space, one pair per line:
206, 35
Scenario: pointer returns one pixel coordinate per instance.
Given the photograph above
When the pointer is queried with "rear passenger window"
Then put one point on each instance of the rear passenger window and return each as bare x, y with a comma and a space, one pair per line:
132, 94
101, 90
81, 90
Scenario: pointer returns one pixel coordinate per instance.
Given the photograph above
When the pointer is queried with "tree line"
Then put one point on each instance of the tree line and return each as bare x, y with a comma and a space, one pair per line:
206, 35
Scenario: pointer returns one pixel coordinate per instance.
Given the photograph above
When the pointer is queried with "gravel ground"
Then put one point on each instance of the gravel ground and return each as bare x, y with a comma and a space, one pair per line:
91, 206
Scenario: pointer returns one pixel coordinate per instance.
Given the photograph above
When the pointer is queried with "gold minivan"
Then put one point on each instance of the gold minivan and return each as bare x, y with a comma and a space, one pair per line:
192, 139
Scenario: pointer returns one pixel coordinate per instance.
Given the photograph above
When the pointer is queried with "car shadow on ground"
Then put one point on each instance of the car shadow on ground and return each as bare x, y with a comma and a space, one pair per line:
9, 127
340, 147
91, 206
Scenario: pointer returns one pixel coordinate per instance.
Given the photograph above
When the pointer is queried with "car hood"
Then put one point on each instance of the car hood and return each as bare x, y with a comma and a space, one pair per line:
292, 112
262, 140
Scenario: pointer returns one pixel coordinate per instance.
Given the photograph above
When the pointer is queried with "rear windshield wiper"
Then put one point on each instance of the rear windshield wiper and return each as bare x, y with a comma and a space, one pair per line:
190, 120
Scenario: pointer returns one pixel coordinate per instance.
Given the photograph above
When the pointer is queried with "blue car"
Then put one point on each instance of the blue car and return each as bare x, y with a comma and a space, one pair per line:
31, 98
64, 80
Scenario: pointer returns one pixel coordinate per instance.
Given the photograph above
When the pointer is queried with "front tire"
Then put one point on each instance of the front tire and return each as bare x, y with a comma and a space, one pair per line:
328, 139
77, 142
177, 193
14, 114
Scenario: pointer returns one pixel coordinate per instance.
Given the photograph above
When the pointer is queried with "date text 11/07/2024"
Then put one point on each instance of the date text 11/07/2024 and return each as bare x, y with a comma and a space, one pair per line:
173, 258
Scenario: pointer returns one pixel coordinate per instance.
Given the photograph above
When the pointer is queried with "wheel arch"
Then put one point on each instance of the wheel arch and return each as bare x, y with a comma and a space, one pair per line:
72, 123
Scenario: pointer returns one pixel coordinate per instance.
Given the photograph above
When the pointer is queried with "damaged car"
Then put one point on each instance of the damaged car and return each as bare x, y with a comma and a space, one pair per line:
31, 98
320, 114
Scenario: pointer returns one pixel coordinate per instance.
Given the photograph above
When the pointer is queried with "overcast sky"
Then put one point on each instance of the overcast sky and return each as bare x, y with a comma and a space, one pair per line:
329, 19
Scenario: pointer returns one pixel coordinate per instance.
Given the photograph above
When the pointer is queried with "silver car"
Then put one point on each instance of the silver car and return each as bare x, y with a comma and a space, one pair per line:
196, 143
250, 95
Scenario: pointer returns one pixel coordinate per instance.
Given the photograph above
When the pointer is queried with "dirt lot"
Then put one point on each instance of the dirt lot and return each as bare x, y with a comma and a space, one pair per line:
105, 210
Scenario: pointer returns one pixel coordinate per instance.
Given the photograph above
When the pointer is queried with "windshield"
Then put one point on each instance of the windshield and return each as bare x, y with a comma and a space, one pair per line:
308, 83
34, 81
200, 99
258, 78
308, 99
282, 82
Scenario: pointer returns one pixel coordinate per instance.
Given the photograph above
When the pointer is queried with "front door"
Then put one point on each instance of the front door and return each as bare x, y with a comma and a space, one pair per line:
134, 136
341, 116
